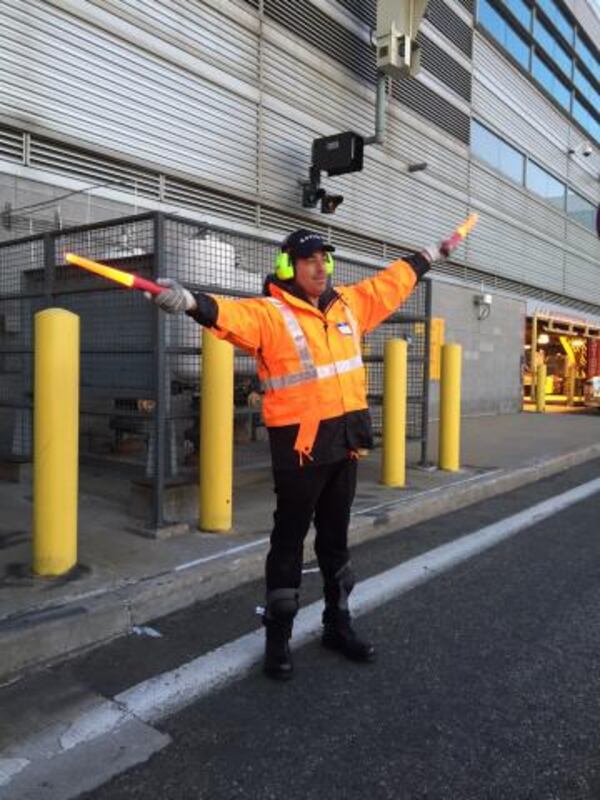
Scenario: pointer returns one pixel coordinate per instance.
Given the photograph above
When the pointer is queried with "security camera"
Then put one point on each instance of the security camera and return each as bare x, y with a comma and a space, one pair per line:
583, 148
329, 202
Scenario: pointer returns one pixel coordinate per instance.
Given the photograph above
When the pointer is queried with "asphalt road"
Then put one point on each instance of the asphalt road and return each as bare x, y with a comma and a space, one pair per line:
486, 685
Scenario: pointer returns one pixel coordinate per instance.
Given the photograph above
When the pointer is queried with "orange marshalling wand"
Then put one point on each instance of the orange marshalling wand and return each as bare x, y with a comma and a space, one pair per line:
113, 274
460, 233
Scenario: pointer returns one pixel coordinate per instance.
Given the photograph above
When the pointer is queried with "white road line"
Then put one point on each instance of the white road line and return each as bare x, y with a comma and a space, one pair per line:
221, 554
426, 493
165, 694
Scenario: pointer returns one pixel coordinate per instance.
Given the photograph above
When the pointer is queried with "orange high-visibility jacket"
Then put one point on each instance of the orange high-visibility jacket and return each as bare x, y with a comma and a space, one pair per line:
309, 361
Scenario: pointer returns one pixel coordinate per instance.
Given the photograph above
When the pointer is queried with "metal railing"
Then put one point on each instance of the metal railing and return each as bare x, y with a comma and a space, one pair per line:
140, 369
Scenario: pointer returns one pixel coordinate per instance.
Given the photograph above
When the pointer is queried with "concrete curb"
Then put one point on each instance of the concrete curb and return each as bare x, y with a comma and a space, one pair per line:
38, 638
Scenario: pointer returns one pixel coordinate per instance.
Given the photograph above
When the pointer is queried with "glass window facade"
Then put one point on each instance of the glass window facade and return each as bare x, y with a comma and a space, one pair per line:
552, 48
586, 119
590, 93
551, 82
558, 19
545, 185
587, 57
581, 210
500, 155
521, 11
497, 153
502, 31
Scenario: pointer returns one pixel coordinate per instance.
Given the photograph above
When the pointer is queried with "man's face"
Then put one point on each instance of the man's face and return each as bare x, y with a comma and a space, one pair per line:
311, 274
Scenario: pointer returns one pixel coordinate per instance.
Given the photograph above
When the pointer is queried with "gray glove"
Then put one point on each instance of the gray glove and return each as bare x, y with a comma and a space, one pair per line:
174, 299
441, 251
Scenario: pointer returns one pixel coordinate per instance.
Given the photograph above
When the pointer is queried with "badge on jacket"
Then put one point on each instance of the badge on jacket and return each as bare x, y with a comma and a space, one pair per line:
344, 328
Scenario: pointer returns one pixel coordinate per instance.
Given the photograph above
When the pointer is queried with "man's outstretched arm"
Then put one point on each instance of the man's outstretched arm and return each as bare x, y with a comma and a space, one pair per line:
237, 321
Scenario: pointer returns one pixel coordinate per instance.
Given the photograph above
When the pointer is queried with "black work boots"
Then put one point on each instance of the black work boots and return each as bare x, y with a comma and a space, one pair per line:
282, 607
338, 634
278, 661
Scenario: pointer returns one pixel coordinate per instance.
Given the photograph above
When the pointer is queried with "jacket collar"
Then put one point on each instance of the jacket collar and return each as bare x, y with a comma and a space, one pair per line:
291, 293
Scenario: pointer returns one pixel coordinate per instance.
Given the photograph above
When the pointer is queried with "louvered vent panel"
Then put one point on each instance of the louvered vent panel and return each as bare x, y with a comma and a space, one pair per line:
359, 244
195, 197
11, 145
444, 67
84, 165
321, 31
420, 98
280, 221
451, 25
365, 10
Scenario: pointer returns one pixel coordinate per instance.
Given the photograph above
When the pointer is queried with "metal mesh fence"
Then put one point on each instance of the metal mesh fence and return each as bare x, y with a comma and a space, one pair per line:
140, 369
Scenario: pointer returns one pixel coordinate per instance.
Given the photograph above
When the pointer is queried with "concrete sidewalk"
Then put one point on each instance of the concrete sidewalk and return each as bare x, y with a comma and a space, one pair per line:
125, 580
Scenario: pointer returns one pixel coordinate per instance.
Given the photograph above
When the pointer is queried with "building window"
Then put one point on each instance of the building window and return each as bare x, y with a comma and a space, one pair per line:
521, 11
542, 52
591, 94
500, 155
504, 33
588, 59
586, 119
558, 19
552, 48
581, 210
545, 185
551, 82
497, 153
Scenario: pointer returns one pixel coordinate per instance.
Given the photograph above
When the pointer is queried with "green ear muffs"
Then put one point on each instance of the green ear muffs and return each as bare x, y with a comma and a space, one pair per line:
284, 268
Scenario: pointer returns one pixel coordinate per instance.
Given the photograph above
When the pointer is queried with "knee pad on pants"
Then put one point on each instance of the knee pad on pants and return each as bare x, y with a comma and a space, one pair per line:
282, 604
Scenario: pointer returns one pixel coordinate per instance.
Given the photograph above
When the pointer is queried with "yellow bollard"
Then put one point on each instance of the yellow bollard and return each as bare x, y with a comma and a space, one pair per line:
449, 443
216, 434
571, 384
393, 460
55, 441
540, 388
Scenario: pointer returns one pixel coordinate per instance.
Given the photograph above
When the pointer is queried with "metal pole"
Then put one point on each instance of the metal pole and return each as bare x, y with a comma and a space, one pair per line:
380, 112
571, 369
49, 266
425, 403
540, 394
533, 357
160, 363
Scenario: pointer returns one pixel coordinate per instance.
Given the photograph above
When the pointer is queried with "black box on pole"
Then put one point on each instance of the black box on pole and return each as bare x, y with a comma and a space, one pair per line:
338, 154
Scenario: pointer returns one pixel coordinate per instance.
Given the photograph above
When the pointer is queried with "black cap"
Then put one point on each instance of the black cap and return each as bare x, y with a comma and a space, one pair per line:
303, 243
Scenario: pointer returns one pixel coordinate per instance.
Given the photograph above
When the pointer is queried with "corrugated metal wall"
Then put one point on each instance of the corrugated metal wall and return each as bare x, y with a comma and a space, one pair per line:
223, 99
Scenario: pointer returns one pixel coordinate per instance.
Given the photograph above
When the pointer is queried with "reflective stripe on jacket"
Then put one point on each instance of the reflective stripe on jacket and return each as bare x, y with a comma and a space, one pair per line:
309, 360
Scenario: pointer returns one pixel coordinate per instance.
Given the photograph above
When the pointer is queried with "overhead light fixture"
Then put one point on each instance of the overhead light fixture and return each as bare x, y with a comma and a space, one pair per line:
543, 338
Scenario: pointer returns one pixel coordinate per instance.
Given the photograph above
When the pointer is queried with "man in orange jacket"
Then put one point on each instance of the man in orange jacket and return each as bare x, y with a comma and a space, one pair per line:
305, 336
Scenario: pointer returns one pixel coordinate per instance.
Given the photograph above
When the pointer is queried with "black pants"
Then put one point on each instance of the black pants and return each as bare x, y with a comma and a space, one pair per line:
324, 492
